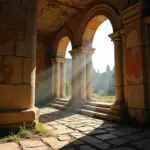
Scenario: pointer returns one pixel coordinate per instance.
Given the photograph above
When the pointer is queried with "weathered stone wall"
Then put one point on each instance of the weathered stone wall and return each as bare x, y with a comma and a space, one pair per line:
17, 43
17, 59
42, 72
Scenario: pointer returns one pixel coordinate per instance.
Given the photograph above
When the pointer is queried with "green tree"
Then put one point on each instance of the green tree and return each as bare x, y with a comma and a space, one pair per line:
68, 89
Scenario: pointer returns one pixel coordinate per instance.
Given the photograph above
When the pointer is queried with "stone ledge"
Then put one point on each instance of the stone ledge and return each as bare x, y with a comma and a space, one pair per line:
20, 117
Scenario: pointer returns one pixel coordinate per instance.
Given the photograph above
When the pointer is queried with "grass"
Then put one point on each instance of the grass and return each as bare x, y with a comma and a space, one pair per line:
108, 99
23, 133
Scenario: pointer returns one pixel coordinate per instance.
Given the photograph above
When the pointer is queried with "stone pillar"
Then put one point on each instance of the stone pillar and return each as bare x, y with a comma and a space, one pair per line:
146, 64
79, 75
124, 63
89, 74
119, 80
17, 62
136, 60
63, 78
56, 78
74, 77
82, 76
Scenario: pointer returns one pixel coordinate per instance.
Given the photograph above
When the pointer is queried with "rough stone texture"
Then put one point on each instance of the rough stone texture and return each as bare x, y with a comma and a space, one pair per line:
17, 78
78, 140
9, 146
29, 68
13, 70
54, 143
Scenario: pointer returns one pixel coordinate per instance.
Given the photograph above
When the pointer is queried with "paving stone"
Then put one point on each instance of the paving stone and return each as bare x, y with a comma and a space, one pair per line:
38, 148
103, 146
131, 130
86, 147
82, 129
63, 131
9, 146
64, 137
118, 141
54, 143
145, 134
107, 125
31, 144
70, 148
77, 142
124, 148
143, 144
77, 135
99, 131
91, 140
120, 133
110, 129
106, 136
133, 137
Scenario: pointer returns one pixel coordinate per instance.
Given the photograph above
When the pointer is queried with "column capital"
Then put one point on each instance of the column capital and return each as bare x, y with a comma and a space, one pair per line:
82, 49
115, 36
58, 60
122, 33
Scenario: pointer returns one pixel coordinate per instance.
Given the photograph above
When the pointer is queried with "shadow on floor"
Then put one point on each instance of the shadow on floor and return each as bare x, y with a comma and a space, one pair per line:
107, 135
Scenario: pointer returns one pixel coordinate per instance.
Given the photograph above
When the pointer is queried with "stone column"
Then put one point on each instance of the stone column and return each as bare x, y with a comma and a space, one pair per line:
17, 62
74, 77
79, 75
119, 78
82, 76
56, 78
63, 78
89, 74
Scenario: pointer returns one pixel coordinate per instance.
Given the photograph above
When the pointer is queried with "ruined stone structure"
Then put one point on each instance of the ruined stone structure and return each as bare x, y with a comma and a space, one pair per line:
33, 40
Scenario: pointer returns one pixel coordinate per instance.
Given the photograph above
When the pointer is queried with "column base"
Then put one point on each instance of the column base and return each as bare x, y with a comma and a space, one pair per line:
76, 104
17, 118
116, 107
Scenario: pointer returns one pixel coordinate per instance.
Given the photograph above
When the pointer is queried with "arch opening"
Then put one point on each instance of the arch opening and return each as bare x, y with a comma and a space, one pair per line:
103, 68
64, 46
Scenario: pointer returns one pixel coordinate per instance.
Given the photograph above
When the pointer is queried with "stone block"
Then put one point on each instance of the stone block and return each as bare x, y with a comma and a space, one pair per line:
13, 70
30, 4
54, 143
135, 95
30, 144
9, 118
41, 48
1, 70
106, 136
9, 146
19, 97
6, 44
118, 141
133, 31
29, 69
14, 3
20, 23
40, 64
134, 69
27, 47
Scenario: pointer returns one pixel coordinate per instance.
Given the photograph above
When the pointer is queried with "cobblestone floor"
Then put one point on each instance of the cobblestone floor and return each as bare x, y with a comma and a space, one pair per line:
78, 132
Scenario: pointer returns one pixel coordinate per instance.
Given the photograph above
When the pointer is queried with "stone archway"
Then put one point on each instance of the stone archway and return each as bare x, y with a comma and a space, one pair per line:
59, 68
92, 20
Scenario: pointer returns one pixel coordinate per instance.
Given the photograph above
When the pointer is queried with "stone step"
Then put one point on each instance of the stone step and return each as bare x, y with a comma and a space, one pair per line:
97, 109
100, 104
58, 106
60, 102
63, 100
98, 115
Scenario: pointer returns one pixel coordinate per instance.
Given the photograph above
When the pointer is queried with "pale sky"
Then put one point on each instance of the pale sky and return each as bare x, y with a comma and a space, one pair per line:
104, 53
